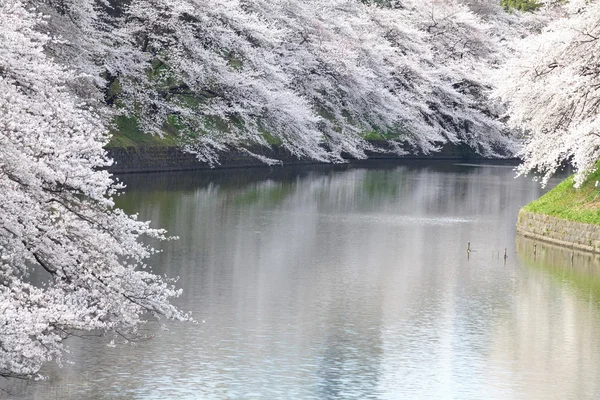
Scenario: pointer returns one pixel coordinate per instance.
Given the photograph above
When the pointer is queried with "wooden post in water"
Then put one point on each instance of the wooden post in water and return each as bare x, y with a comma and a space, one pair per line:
505, 256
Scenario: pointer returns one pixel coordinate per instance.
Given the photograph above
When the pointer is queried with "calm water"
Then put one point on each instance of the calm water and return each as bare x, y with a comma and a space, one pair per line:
350, 283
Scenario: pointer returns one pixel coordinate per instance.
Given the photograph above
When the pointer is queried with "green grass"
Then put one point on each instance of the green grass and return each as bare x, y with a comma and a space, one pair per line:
564, 201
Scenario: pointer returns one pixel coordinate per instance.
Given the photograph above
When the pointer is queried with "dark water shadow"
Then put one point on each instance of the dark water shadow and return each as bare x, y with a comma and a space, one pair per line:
241, 177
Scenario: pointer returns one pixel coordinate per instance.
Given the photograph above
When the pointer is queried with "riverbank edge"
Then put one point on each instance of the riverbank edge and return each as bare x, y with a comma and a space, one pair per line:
142, 159
559, 231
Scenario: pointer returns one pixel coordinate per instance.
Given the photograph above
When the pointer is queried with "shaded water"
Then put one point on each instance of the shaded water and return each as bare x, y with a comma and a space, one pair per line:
350, 283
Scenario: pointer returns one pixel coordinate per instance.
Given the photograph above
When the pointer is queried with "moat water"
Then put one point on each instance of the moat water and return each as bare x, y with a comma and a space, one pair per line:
349, 282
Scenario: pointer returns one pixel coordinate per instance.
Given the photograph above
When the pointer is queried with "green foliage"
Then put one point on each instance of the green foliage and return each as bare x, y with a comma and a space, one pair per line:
373, 136
127, 133
521, 5
157, 70
564, 201
381, 3
113, 92
235, 62
270, 139
376, 135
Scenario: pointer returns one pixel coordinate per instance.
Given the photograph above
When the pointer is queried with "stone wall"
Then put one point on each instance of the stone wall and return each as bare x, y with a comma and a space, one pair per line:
162, 159
559, 231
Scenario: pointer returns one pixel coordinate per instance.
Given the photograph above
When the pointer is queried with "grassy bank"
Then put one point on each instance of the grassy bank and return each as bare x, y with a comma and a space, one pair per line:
127, 133
564, 201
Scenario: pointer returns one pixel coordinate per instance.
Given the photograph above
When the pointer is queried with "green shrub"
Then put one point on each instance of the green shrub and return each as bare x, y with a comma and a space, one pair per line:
522, 5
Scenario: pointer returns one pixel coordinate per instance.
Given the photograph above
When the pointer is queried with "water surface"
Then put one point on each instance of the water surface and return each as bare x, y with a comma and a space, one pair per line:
350, 283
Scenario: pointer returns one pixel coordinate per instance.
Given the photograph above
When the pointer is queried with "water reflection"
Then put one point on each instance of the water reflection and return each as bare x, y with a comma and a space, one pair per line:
345, 282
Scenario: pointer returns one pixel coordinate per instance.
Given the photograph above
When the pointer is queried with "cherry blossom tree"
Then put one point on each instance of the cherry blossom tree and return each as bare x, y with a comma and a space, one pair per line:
315, 77
58, 222
554, 92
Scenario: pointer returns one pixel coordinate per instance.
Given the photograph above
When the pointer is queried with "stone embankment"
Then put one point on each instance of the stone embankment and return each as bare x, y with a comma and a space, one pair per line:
164, 159
559, 231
